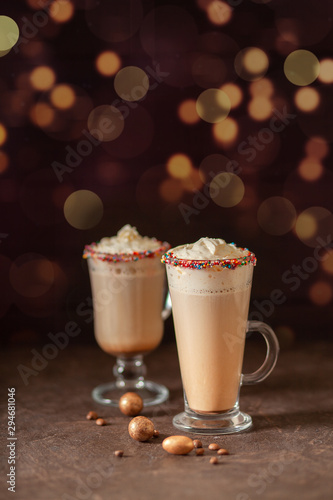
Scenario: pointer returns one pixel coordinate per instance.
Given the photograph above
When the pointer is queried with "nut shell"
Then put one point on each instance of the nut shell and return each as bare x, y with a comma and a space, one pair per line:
178, 445
130, 404
214, 446
141, 428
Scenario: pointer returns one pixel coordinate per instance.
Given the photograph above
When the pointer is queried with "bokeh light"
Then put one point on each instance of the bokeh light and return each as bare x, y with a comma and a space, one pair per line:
42, 115
286, 336
310, 169
251, 63
192, 182
187, 112
301, 67
234, 92
214, 164
62, 96
226, 132
42, 78
179, 166
309, 225
307, 99
326, 71
83, 209
171, 190
108, 63
31, 275
131, 83
226, 189
213, 105
321, 293
262, 88
260, 108
276, 215
105, 123
219, 12
3, 134
327, 261
4, 161
317, 147
9, 34
61, 11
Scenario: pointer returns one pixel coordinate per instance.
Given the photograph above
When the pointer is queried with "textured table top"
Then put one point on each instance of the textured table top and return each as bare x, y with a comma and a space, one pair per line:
60, 455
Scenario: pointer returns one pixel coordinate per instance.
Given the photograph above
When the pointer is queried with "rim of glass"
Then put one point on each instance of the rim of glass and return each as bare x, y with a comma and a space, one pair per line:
91, 252
170, 259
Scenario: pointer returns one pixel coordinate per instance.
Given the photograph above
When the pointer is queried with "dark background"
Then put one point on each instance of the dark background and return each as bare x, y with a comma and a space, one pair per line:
44, 281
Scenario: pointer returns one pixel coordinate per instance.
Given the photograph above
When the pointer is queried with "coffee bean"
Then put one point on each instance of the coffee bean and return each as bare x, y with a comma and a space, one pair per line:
156, 433
213, 460
178, 445
100, 421
119, 453
197, 443
199, 451
214, 446
222, 451
141, 428
92, 415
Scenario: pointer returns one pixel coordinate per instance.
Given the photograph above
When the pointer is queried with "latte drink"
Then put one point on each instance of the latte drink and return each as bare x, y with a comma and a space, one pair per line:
210, 285
127, 281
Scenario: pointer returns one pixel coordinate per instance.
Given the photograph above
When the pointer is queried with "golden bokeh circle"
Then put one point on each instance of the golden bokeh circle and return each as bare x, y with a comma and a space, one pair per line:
260, 108
327, 261
3, 134
234, 92
108, 63
262, 88
187, 112
171, 190
308, 225
83, 209
42, 78
62, 96
251, 63
326, 71
131, 83
276, 215
61, 11
307, 99
301, 67
9, 34
310, 169
317, 147
226, 189
105, 123
41, 114
219, 12
213, 105
226, 132
179, 166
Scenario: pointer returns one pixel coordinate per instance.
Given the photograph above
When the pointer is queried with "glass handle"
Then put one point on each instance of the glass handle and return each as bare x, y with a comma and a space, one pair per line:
271, 354
167, 307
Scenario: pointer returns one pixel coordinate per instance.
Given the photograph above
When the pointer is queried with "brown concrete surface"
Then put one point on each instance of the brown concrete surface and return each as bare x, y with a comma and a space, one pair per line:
60, 455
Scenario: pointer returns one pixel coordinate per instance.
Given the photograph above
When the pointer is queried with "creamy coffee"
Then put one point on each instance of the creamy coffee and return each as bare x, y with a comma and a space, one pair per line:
127, 281
210, 285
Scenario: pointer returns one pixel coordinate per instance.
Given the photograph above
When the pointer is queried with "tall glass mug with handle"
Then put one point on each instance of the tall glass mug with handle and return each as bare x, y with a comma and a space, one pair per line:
210, 286
128, 285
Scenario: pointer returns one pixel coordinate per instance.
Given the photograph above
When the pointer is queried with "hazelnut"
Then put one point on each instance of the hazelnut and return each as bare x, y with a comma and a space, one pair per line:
197, 443
92, 415
222, 451
214, 446
119, 453
100, 421
199, 451
130, 404
156, 433
213, 460
141, 428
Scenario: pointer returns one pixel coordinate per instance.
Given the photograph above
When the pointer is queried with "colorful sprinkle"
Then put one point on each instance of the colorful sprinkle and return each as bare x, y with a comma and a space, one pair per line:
91, 252
249, 258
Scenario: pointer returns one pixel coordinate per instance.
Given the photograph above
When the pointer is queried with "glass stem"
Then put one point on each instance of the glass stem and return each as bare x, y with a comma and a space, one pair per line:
130, 372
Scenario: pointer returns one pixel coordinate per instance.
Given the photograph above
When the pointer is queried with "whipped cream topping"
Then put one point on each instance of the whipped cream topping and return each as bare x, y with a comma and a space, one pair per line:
209, 249
128, 240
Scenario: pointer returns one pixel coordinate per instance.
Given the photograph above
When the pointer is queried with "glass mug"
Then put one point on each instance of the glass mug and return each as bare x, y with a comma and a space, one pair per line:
128, 292
210, 304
